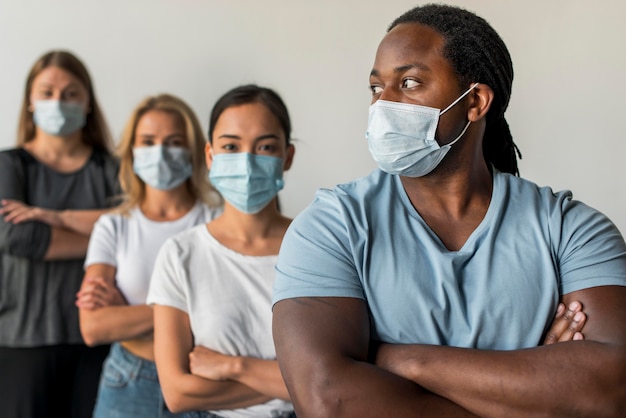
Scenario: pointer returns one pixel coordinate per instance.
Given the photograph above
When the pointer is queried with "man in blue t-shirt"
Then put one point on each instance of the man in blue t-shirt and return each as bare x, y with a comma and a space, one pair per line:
445, 258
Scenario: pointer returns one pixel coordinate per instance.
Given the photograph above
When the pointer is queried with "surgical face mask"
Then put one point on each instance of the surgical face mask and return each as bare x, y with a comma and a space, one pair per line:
247, 181
162, 167
59, 118
401, 137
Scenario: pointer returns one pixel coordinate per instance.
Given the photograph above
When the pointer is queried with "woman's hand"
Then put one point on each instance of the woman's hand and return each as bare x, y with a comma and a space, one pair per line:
17, 212
96, 293
211, 364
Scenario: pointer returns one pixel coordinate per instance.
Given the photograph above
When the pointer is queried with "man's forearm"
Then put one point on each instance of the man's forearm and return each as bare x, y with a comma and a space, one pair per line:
580, 378
363, 390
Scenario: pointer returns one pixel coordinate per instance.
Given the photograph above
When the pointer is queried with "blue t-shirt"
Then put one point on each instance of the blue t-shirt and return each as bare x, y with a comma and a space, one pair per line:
365, 240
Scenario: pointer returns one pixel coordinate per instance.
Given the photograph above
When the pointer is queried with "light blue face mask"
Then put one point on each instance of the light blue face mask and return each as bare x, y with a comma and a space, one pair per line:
162, 167
401, 137
59, 118
247, 181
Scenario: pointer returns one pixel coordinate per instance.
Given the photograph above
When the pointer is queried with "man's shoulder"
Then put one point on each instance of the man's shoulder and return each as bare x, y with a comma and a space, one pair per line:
528, 191
362, 190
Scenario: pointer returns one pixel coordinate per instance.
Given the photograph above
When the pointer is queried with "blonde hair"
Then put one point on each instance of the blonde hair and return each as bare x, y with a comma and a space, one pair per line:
95, 132
198, 184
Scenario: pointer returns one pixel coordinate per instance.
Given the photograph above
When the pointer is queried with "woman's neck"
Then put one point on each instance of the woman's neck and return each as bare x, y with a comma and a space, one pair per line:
167, 205
65, 154
250, 234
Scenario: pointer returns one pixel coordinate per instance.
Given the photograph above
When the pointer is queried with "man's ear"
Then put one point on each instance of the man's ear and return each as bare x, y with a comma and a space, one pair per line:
291, 150
208, 155
482, 97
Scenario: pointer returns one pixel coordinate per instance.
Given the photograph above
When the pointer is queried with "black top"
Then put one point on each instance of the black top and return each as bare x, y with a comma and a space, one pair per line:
37, 297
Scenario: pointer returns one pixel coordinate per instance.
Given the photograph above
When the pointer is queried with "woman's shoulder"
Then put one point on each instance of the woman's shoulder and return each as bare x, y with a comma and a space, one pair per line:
17, 155
104, 158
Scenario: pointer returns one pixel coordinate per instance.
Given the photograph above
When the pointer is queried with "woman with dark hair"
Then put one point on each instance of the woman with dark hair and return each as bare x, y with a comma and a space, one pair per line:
53, 187
211, 285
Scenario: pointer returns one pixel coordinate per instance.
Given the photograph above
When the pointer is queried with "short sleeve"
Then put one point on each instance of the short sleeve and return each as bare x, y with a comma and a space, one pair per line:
103, 242
592, 250
169, 277
316, 258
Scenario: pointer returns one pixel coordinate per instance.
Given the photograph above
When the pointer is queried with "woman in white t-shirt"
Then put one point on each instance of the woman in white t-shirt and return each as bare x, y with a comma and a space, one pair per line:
211, 286
164, 179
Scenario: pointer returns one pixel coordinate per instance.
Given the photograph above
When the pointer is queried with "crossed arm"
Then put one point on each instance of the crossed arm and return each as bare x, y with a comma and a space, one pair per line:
582, 378
196, 378
322, 345
70, 229
104, 314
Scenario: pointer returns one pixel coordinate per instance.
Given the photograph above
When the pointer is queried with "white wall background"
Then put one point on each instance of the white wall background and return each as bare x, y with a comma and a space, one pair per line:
566, 112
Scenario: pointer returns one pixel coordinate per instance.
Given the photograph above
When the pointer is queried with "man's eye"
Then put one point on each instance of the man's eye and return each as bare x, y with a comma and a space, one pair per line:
376, 89
409, 83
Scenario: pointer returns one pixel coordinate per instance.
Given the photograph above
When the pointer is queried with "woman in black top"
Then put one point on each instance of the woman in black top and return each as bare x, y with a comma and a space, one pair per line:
53, 187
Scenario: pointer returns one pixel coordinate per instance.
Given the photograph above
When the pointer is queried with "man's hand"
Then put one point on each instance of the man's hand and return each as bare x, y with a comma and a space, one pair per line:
96, 293
567, 324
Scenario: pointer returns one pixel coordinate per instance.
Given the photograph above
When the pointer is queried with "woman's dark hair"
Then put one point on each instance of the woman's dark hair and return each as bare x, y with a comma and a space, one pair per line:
252, 93
477, 54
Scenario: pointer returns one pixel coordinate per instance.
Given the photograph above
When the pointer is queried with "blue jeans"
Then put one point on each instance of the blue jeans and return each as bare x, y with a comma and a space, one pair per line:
129, 387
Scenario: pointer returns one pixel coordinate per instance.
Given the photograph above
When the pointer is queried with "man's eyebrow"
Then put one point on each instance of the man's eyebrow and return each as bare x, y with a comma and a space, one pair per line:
229, 136
402, 68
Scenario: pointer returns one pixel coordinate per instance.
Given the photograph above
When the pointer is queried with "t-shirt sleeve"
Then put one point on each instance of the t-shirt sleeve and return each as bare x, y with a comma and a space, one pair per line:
592, 250
316, 258
169, 278
27, 239
103, 242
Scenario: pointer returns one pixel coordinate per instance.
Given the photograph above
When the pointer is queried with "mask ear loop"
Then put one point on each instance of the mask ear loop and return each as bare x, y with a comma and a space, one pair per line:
449, 144
458, 99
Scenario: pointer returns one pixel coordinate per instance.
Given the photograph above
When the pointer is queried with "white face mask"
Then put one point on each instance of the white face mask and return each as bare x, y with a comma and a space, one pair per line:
162, 167
59, 118
401, 137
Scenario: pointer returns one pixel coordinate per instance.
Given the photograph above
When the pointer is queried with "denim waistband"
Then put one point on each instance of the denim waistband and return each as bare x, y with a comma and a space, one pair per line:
140, 366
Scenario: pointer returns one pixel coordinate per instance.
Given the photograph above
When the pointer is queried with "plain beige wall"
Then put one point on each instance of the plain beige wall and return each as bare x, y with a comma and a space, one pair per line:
566, 112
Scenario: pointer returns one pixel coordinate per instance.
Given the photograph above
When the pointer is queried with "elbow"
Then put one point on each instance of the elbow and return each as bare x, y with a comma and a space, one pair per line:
176, 402
317, 400
174, 405
92, 335
90, 339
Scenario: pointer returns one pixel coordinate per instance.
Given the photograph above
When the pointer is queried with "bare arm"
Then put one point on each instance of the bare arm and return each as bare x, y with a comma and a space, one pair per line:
65, 245
259, 374
322, 347
579, 378
183, 391
104, 314
38, 240
78, 221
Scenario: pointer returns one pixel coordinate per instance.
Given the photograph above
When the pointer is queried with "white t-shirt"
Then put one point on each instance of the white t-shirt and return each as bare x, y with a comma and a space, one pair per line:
227, 296
131, 243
